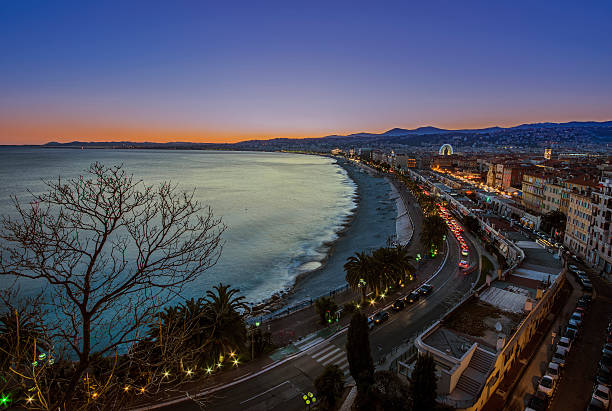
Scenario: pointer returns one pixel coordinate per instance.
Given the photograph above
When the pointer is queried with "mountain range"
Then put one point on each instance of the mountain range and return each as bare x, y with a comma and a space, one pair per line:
595, 131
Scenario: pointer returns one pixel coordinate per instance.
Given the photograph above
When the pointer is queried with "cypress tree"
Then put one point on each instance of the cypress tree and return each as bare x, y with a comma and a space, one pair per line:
358, 352
424, 384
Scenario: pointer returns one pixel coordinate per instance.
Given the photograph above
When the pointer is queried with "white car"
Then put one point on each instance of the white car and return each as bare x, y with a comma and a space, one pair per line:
464, 252
602, 393
553, 370
547, 385
564, 344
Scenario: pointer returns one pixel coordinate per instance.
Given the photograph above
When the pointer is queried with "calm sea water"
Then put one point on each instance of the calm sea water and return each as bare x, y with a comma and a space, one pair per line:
280, 209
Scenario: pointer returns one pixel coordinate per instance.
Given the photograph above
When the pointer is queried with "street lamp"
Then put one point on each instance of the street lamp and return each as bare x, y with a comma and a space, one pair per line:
309, 399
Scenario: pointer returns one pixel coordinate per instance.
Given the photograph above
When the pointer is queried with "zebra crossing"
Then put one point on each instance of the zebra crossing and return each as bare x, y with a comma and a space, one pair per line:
328, 354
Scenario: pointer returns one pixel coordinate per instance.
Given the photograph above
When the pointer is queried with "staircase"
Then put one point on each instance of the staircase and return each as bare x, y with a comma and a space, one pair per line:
481, 361
476, 373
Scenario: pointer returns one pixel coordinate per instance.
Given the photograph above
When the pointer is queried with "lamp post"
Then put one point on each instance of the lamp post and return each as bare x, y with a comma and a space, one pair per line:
309, 399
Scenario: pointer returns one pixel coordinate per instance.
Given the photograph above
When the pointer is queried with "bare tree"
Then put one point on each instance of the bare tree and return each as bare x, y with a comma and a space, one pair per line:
110, 252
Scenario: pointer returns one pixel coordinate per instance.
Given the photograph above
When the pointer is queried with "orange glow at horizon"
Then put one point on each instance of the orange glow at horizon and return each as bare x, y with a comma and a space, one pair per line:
17, 131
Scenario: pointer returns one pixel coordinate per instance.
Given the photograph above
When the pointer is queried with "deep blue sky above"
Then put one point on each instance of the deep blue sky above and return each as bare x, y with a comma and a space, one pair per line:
207, 71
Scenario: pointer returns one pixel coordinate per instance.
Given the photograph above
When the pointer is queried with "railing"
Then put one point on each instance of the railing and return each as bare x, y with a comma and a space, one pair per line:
267, 317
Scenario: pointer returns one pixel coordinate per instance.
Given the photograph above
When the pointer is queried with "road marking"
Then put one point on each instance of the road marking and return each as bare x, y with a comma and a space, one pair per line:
333, 352
333, 359
241, 376
311, 344
324, 350
265, 392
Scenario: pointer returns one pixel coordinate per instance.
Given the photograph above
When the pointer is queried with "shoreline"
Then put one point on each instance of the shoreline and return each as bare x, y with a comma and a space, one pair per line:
279, 301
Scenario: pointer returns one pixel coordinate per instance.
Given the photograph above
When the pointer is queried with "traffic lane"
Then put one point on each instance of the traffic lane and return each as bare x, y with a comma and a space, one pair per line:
280, 388
405, 324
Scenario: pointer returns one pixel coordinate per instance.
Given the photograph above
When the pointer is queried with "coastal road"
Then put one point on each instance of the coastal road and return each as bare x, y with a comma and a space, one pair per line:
281, 388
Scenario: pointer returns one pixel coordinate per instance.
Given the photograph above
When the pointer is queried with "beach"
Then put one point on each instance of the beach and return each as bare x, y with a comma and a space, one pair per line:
379, 217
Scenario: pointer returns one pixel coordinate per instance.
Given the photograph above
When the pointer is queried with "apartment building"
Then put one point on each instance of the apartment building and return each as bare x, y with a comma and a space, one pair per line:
600, 244
533, 189
552, 197
580, 216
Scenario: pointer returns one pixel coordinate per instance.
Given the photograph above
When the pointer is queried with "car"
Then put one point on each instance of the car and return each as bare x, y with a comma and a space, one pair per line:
572, 268
381, 316
576, 319
371, 322
464, 252
412, 297
603, 377
587, 286
463, 264
559, 357
553, 370
602, 393
537, 402
580, 273
426, 289
572, 327
398, 305
607, 349
606, 362
570, 333
547, 385
582, 278
564, 343
595, 405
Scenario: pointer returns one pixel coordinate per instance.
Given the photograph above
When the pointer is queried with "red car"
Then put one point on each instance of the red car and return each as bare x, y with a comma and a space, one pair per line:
463, 264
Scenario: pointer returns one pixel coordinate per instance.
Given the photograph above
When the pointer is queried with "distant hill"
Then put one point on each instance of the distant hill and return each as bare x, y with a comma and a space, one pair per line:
575, 132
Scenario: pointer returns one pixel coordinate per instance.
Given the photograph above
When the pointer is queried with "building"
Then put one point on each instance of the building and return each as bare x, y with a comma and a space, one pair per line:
548, 153
471, 361
533, 189
512, 176
552, 197
600, 244
580, 218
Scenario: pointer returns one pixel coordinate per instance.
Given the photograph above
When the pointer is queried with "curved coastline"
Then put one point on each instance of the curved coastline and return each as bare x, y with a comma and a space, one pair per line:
296, 292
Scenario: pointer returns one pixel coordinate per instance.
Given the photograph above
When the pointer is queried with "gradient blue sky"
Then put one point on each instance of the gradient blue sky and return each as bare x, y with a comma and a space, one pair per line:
227, 71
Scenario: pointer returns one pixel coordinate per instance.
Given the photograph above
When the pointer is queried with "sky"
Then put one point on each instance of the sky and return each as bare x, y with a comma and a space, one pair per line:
225, 71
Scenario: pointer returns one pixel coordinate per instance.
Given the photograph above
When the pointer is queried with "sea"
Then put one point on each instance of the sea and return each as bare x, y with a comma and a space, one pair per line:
285, 213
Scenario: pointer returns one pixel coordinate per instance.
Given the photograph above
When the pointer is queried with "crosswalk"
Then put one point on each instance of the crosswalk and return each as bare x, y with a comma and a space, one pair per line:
328, 354
325, 353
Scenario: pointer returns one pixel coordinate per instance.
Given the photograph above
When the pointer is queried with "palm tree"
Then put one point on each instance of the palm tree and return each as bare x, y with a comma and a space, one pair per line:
404, 262
359, 270
225, 308
433, 232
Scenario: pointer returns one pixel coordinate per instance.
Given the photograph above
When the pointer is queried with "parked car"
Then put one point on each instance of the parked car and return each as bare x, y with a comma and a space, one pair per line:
595, 405
606, 362
559, 356
398, 305
426, 289
576, 319
547, 385
537, 402
572, 268
553, 370
603, 377
571, 326
381, 316
565, 344
602, 393
587, 286
607, 349
412, 297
